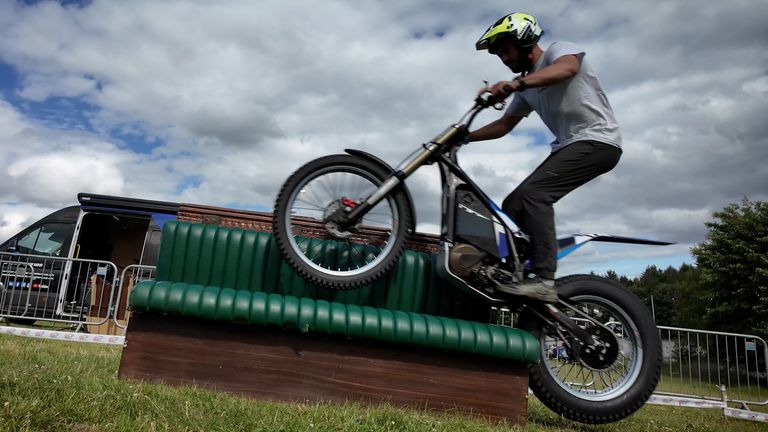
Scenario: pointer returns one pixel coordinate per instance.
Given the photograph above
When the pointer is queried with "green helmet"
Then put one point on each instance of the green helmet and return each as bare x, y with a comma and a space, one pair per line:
523, 28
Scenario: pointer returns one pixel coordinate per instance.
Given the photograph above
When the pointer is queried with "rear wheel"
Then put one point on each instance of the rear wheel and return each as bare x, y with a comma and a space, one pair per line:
325, 252
603, 385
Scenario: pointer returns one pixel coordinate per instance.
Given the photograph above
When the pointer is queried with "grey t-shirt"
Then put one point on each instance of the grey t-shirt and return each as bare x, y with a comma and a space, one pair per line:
576, 109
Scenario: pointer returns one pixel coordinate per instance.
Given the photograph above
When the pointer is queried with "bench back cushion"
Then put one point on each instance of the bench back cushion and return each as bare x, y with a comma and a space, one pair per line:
210, 255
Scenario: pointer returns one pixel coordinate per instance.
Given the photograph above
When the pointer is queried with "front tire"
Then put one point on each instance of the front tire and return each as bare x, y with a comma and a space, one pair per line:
606, 393
329, 255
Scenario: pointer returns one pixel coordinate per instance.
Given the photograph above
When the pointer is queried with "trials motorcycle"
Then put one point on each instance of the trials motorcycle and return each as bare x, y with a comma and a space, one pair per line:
600, 349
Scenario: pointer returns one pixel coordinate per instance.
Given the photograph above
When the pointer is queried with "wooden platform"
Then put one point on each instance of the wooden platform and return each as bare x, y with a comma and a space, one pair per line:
282, 365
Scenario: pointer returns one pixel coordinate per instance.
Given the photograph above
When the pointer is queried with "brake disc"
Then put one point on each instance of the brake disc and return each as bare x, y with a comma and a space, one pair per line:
334, 227
603, 352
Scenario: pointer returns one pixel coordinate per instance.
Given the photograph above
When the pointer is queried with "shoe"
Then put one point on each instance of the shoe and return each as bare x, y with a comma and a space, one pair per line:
533, 287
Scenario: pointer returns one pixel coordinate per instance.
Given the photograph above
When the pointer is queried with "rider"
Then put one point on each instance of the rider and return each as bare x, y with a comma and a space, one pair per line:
561, 86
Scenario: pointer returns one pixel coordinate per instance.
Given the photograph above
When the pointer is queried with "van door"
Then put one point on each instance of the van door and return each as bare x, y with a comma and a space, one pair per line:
114, 237
146, 269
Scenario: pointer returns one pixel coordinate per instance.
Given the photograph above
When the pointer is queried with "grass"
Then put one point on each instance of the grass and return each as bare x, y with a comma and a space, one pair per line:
67, 386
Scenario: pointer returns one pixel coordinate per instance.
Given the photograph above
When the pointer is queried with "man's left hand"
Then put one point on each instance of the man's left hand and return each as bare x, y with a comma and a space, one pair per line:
501, 89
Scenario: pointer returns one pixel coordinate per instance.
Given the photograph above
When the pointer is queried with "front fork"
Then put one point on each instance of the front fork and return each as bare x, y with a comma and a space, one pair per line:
349, 216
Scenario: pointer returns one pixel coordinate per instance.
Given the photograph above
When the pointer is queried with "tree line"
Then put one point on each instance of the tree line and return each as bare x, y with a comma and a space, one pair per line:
727, 287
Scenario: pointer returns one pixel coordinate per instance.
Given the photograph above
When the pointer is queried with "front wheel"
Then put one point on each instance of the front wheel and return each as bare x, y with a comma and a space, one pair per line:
603, 386
325, 252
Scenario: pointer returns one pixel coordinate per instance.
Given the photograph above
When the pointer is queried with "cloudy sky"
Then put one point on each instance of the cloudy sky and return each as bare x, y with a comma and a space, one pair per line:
217, 102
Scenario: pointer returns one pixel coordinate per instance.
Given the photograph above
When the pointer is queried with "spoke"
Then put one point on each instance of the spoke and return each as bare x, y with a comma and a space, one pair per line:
302, 242
383, 208
310, 251
311, 191
338, 183
568, 374
328, 190
307, 192
320, 208
386, 217
307, 208
379, 221
349, 185
357, 189
361, 254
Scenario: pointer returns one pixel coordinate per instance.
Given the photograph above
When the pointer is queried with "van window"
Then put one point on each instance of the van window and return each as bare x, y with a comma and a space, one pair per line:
151, 248
48, 239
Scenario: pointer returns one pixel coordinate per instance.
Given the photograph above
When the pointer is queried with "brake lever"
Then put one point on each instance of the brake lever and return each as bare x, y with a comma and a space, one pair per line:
491, 100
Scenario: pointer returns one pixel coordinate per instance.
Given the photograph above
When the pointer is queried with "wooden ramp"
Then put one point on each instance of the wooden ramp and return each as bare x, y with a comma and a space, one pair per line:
287, 366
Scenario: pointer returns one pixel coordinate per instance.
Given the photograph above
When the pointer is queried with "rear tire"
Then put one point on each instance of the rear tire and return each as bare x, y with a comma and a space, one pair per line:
326, 259
636, 370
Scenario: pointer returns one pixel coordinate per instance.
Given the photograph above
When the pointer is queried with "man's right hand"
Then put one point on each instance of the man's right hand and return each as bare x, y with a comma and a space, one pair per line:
502, 89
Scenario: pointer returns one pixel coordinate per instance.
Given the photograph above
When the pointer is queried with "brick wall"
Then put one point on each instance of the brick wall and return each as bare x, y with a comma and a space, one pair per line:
262, 221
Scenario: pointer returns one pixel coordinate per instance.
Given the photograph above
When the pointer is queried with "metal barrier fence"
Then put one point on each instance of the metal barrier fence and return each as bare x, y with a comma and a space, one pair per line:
130, 276
713, 365
68, 291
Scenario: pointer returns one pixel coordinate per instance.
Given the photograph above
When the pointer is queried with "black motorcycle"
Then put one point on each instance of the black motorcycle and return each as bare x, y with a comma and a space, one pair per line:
607, 358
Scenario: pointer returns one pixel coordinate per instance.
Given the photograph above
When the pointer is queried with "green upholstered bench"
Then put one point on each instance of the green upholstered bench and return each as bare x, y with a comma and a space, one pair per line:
228, 274
226, 312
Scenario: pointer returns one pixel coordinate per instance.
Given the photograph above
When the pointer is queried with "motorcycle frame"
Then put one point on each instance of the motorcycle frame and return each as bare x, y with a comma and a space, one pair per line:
442, 150
452, 176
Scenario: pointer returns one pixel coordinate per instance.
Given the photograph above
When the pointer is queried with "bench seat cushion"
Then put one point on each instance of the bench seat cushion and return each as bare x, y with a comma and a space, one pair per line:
349, 320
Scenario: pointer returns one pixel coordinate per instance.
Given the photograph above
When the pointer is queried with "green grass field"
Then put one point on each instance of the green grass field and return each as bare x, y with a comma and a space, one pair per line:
67, 386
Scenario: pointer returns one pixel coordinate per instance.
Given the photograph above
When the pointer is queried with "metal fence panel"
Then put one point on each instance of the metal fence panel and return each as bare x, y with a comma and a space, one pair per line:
67, 290
130, 276
709, 364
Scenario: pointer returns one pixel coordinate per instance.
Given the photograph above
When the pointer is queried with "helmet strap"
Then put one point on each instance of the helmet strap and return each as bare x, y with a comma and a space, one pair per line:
528, 52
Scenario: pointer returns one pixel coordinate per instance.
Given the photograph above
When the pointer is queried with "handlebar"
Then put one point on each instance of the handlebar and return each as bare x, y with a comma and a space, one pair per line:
492, 100
482, 102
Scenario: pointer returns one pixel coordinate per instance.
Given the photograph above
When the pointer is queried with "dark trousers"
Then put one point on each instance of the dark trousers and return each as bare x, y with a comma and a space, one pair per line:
530, 205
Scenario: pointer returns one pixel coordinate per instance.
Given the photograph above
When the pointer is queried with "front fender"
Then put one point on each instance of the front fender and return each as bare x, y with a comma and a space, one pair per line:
378, 161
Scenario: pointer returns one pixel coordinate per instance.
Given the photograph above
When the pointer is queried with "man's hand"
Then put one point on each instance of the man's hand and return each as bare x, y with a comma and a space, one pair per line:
502, 89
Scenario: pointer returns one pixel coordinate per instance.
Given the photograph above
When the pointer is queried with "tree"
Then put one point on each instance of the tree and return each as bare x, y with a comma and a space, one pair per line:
676, 293
733, 261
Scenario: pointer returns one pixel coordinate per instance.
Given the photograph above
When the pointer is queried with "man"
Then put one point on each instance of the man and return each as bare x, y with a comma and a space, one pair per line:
564, 91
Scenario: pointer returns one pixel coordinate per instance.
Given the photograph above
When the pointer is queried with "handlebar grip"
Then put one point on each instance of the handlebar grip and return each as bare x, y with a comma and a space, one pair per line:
493, 100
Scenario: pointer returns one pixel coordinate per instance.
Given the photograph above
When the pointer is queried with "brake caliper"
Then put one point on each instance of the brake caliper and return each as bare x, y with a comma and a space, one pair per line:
335, 220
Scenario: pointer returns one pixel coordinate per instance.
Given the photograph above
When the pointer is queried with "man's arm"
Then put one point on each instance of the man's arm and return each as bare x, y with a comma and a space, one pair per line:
495, 129
561, 69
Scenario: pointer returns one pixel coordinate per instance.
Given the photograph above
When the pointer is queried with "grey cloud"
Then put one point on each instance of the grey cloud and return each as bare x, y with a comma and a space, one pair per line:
242, 94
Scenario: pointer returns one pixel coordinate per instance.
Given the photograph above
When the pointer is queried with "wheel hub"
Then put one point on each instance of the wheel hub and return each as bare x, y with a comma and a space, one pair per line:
331, 215
603, 352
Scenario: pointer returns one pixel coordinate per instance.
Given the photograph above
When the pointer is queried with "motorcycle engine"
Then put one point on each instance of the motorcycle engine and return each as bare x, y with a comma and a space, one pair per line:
472, 265
465, 259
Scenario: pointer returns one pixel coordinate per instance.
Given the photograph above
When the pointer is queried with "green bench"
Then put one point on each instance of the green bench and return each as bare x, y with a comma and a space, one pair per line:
218, 273
225, 312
